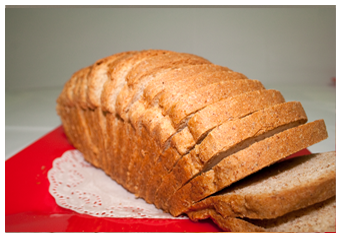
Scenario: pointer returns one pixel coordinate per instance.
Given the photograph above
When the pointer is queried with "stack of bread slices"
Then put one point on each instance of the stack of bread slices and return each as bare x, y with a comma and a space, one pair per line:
196, 138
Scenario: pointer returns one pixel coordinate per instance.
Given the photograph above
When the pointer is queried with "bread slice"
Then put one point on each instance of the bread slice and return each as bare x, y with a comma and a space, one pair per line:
209, 94
171, 96
118, 73
245, 162
320, 217
230, 137
230, 109
174, 79
279, 189
66, 96
100, 74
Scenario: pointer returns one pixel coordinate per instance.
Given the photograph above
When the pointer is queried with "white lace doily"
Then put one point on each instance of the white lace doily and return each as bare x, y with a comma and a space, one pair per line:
77, 185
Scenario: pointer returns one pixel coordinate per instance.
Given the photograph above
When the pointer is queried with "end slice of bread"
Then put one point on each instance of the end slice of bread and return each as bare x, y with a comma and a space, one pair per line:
279, 189
320, 217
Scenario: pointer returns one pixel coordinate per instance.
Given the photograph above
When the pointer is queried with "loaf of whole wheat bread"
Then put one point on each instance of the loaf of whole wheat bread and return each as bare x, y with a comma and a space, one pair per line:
174, 129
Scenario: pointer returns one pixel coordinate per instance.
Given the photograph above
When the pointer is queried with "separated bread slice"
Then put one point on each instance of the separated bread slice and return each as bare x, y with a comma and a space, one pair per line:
279, 189
245, 162
228, 138
320, 217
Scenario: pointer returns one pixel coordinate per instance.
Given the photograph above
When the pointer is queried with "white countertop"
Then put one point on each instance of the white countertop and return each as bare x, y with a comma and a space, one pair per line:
31, 114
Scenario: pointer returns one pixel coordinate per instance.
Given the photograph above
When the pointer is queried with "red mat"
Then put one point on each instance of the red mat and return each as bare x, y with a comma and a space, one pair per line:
29, 207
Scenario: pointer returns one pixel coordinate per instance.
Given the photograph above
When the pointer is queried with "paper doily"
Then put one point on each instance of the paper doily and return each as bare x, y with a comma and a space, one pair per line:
77, 185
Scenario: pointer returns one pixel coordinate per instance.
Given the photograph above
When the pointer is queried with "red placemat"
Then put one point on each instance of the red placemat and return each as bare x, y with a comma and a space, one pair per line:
29, 207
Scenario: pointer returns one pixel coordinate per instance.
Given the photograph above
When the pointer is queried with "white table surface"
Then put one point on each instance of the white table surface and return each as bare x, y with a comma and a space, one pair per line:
31, 114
